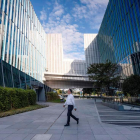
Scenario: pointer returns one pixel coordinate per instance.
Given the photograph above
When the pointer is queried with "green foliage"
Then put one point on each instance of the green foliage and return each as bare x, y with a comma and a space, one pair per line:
16, 98
15, 101
95, 92
59, 91
87, 91
131, 85
128, 95
119, 93
21, 110
58, 101
5, 99
28, 87
104, 94
103, 74
78, 93
52, 96
31, 97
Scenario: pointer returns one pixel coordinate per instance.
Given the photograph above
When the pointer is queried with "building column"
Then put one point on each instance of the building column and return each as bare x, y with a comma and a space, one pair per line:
41, 96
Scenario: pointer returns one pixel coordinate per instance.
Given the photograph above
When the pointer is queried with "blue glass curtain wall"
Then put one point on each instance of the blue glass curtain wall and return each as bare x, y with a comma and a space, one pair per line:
119, 35
12, 77
23, 39
1, 74
7, 73
16, 79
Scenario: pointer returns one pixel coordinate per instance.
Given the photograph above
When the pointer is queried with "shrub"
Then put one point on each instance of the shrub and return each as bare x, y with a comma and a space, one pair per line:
31, 97
104, 94
131, 85
137, 101
16, 98
119, 93
128, 95
19, 98
23, 98
53, 96
5, 99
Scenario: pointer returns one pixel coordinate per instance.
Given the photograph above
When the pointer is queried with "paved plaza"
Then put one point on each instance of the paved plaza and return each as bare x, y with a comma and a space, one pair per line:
48, 124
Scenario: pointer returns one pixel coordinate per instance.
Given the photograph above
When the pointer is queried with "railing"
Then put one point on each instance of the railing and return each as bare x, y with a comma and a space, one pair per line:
119, 100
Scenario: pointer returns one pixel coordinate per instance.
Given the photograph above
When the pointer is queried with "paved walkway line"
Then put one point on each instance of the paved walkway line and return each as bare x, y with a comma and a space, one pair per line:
97, 113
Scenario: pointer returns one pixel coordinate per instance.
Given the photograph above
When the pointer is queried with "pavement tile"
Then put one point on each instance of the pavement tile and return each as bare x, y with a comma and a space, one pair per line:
43, 127
118, 137
38, 131
29, 137
35, 124
16, 137
56, 137
4, 126
102, 137
8, 131
113, 132
2, 136
86, 137
127, 132
74, 132
42, 137
132, 137
57, 127
99, 132
24, 131
71, 127
85, 132
84, 127
32, 126
68, 137
54, 131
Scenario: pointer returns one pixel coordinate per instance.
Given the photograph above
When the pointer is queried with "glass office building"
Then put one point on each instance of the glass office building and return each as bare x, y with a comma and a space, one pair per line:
119, 36
22, 45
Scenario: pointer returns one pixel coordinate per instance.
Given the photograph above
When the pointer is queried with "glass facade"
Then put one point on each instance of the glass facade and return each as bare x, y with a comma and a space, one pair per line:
22, 38
119, 36
22, 47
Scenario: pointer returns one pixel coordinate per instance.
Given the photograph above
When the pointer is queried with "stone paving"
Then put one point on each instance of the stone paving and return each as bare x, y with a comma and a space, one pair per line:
112, 116
48, 124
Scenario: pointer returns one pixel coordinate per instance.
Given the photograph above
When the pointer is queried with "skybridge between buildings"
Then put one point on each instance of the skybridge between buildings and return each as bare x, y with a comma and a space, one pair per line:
64, 81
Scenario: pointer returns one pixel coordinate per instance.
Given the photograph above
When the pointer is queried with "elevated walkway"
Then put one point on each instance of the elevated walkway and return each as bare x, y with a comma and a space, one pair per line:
67, 81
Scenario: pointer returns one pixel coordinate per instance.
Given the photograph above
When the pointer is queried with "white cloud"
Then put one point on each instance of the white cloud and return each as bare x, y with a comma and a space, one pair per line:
72, 38
94, 3
58, 10
43, 15
60, 23
90, 10
74, 55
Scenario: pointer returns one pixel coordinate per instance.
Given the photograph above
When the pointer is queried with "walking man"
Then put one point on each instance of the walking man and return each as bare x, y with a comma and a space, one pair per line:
71, 104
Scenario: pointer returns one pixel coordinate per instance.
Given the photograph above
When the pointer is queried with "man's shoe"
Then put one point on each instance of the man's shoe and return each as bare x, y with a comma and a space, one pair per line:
67, 125
78, 121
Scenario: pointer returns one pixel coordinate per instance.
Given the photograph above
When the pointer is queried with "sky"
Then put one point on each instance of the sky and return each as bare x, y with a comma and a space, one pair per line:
71, 18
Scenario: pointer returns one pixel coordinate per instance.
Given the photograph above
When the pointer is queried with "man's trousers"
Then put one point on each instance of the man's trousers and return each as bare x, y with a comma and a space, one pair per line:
69, 114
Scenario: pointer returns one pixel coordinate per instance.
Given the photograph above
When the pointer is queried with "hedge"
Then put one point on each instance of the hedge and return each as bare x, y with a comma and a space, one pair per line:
5, 99
31, 97
16, 98
52, 96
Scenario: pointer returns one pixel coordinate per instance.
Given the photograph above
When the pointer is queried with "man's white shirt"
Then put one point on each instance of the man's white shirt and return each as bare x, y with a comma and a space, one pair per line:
70, 100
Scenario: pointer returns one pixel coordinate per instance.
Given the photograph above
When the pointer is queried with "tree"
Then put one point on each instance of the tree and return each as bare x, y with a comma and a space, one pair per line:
59, 91
131, 85
104, 74
87, 90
